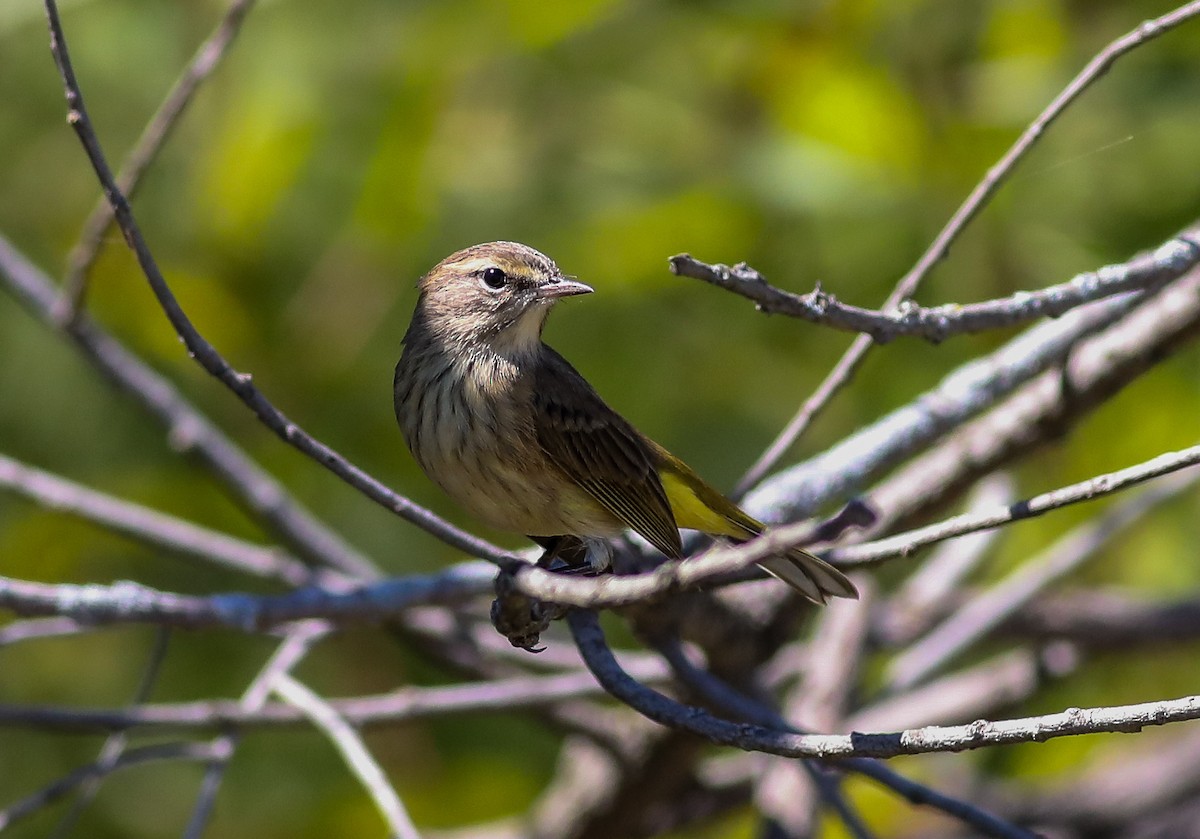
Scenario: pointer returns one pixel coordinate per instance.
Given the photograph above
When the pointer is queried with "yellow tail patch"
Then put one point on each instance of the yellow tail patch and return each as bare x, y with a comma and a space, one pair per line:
692, 513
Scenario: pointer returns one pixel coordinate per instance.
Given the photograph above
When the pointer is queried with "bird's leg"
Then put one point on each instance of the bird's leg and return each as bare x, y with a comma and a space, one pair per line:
574, 554
551, 547
599, 556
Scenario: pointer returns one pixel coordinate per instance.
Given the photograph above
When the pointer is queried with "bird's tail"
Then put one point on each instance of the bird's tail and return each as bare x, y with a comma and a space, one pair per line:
810, 575
696, 505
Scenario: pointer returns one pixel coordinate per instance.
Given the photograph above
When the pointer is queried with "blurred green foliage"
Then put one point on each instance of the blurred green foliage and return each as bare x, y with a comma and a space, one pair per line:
343, 148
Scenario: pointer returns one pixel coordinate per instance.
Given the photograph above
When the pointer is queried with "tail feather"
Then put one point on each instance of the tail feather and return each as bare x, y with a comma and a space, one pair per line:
812, 576
696, 505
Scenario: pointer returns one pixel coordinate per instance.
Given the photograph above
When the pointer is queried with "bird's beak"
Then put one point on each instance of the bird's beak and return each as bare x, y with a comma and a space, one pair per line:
563, 287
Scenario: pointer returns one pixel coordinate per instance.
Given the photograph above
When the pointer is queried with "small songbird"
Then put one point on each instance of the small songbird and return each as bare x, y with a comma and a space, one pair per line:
514, 434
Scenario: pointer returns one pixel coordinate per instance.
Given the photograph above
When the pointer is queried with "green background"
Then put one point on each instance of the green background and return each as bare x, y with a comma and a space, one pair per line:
344, 148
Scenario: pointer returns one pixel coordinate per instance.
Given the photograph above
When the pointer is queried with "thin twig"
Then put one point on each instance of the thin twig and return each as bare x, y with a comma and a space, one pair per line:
35, 628
904, 544
405, 704
1097, 67
352, 749
980, 616
850, 361
117, 741
149, 144
133, 757
287, 655
207, 356
148, 526
188, 430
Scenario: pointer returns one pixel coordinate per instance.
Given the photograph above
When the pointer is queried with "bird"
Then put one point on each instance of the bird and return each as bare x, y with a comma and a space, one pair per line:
519, 438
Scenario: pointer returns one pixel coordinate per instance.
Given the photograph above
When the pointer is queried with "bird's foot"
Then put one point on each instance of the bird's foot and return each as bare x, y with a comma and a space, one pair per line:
520, 618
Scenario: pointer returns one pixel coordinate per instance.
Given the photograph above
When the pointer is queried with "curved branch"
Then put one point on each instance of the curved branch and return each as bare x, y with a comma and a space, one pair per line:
207, 355
755, 738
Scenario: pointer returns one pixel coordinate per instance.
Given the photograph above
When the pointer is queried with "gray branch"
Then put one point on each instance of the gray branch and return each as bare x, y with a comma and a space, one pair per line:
979, 734
150, 526
941, 322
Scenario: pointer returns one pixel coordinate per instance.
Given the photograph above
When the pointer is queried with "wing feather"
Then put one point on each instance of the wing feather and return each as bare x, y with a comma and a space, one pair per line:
601, 452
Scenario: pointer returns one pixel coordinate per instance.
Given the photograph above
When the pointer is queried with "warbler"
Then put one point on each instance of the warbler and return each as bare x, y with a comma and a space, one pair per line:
509, 429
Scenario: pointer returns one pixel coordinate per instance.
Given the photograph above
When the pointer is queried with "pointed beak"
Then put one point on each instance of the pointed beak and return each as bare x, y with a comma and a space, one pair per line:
562, 287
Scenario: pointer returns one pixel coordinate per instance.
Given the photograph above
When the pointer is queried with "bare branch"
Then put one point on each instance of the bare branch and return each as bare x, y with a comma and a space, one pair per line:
1097, 67
117, 741
402, 705
149, 144
130, 602
148, 526
133, 757
936, 324
346, 740
212, 361
903, 544
188, 430
295, 647
34, 628
749, 737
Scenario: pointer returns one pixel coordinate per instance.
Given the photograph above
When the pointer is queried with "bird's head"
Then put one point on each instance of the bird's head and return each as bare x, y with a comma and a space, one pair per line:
499, 293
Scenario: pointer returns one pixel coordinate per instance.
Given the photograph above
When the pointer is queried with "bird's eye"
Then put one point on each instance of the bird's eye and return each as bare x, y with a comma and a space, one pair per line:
494, 278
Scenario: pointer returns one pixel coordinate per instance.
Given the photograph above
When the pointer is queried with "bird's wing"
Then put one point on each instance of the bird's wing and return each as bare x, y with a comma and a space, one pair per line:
601, 452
